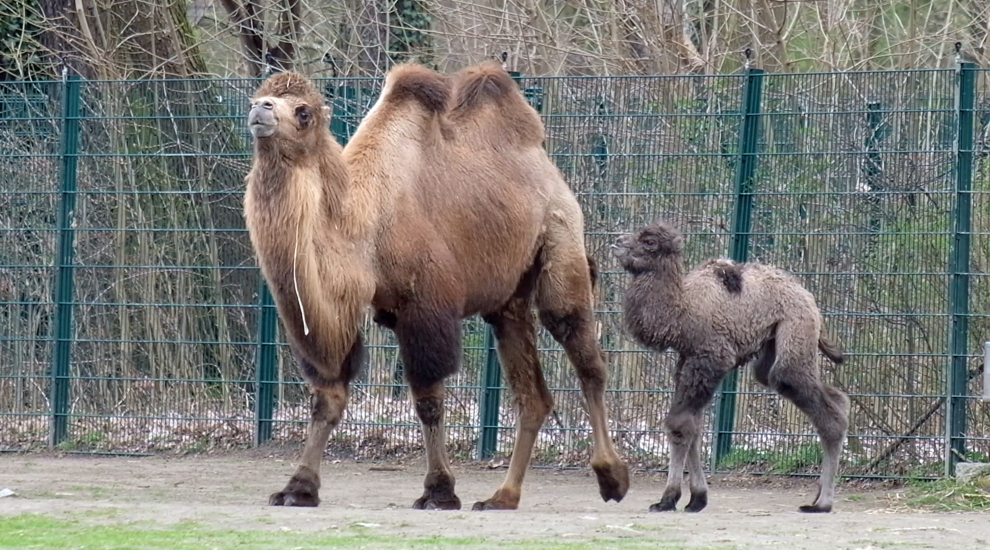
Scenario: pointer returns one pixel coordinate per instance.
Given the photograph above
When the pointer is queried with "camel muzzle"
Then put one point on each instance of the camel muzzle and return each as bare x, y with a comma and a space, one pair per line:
261, 120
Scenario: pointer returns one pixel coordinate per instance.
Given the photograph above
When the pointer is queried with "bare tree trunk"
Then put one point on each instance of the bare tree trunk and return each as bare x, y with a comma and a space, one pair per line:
246, 16
372, 37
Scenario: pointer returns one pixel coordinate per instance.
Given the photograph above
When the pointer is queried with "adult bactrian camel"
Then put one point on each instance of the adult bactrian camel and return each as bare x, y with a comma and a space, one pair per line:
442, 206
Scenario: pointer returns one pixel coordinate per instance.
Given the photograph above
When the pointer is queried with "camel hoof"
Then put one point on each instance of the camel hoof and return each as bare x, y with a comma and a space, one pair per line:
613, 480
435, 503
294, 498
303, 489
815, 509
484, 505
697, 503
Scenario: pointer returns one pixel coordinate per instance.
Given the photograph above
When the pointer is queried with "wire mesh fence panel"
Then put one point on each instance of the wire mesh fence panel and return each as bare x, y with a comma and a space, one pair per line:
163, 273
855, 197
136, 322
29, 194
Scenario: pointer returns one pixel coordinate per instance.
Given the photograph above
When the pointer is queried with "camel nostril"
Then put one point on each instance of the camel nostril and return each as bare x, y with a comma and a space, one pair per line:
268, 105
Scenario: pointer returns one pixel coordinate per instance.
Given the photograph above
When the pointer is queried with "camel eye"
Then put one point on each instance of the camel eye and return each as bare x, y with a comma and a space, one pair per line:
303, 114
650, 242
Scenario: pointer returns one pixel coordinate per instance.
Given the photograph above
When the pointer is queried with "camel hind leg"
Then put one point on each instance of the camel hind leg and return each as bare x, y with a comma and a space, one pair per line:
515, 331
564, 300
796, 377
327, 403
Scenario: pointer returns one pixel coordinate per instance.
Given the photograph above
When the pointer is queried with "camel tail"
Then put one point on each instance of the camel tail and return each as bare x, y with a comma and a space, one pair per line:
830, 349
427, 87
483, 83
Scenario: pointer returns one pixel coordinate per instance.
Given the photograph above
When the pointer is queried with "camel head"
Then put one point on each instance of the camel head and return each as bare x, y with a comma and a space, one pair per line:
289, 113
643, 250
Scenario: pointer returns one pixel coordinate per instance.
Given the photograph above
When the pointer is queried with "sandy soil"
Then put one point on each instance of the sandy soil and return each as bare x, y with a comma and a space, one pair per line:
231, 492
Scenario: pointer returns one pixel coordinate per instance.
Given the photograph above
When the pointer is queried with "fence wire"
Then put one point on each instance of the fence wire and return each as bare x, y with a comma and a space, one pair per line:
855, 192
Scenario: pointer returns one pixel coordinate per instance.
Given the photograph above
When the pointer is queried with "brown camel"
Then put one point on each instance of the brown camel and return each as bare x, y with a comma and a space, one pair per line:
443, 205
718, 317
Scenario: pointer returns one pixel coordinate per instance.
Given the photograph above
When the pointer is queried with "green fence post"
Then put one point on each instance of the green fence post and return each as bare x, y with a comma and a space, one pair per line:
265, 365
749, 137
490, 399
61, 355
959, 269
873, 171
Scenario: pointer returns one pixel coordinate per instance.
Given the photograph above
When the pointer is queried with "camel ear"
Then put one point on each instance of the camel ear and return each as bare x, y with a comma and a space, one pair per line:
326, 112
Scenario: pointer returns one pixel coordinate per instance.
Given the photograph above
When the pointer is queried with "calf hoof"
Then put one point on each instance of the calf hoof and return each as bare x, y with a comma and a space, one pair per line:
662, 507
302, 490
815, 508
697, 503
667, 503
613, 480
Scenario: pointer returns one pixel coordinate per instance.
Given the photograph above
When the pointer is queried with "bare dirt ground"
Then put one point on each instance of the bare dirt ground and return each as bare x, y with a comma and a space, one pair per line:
230, 492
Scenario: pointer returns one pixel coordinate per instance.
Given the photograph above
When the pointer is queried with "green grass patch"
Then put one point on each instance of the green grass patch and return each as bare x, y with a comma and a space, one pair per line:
32, 531
949, 495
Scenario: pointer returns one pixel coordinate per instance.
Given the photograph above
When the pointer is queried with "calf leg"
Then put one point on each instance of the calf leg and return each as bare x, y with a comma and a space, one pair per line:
328, 399
696, 380
828, 410
430, 348
696, 473
516, 334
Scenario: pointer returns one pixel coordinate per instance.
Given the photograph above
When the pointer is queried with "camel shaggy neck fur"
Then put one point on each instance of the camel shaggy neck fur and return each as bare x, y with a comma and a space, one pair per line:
443, 205
719, 316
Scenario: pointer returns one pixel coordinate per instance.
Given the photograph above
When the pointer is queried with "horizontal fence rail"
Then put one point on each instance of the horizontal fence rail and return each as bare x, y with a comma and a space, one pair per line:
133, 318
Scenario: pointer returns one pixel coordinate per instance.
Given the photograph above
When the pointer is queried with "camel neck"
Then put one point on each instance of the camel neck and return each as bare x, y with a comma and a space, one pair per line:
653, 305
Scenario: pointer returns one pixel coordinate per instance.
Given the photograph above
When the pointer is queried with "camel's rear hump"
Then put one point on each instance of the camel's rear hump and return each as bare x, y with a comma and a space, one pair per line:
486, 90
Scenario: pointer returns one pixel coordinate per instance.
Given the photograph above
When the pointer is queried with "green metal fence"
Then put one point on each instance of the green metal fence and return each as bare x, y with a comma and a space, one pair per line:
133, 318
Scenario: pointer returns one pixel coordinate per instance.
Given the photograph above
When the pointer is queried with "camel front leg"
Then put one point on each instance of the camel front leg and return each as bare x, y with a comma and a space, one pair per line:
438, 487
429, 342
695, 383
679, 446
328, 399
327, 406
696, 474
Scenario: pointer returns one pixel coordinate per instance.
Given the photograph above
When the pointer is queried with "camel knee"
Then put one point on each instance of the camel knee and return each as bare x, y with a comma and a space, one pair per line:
574, 332
322, 411
429, 410
533, 411
327, 403
681, 428
563, 327
838, 399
